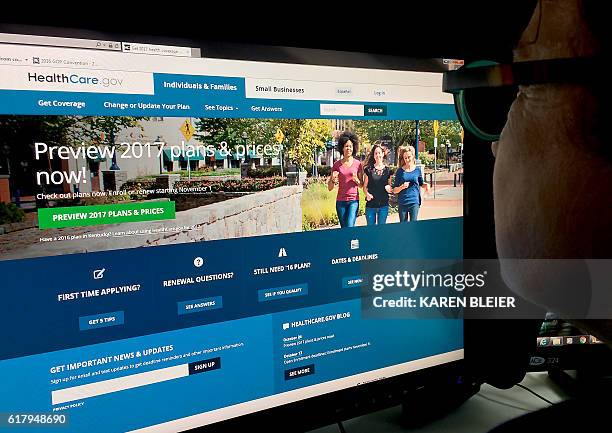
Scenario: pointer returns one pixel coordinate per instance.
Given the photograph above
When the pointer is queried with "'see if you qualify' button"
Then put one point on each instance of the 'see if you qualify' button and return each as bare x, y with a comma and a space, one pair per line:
77, 216
282, 292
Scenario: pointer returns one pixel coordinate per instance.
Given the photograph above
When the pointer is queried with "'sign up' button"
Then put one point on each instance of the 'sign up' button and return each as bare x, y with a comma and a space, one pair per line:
204, 366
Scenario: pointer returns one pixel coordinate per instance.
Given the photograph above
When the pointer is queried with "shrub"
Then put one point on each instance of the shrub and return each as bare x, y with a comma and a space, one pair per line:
427, 159
264, 171
137, 183
207, 171
9, 213
322, 170
234, 185
107, 199
312, 180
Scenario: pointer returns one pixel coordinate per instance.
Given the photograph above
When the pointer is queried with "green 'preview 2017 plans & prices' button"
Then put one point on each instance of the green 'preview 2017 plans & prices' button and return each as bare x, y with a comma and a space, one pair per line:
77, 216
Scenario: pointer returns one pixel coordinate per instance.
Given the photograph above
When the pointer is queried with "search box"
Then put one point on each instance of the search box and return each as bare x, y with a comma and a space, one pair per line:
342, 110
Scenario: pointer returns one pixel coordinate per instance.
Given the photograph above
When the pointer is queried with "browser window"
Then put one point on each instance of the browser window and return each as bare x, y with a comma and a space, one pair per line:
190, 242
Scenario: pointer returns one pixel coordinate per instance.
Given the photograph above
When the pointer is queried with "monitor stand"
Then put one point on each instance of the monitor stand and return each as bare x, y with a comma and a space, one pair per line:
428, 404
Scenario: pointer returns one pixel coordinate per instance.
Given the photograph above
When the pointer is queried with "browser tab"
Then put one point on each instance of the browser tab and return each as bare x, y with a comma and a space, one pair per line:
156, 50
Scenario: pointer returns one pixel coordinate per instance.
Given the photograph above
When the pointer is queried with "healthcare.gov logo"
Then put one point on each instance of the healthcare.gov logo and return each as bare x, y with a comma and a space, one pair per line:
75, 78
53, 79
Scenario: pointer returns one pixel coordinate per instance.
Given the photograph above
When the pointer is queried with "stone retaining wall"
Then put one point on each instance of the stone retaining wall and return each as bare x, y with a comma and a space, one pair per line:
262, 213
278, 210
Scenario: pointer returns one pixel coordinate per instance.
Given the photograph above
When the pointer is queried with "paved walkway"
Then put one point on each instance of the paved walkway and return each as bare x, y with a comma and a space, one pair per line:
447, 204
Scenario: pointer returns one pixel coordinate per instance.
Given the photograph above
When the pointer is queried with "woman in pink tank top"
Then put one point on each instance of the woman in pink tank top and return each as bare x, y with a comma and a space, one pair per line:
348, 173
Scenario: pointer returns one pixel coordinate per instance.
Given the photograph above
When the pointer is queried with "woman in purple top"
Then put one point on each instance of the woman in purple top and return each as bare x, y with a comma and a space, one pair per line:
348, 173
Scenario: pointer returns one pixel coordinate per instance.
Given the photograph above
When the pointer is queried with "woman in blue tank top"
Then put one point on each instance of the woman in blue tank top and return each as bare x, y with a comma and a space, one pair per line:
407, 184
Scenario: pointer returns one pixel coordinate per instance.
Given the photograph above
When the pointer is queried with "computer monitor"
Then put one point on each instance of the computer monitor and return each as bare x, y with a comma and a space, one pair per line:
182, 239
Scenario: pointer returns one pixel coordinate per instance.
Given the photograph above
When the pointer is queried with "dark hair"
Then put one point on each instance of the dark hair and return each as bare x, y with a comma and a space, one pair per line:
348, 136
370, 159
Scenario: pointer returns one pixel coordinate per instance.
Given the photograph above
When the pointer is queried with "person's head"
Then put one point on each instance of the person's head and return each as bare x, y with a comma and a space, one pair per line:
553, 167
406, 156
376, 155
348, 144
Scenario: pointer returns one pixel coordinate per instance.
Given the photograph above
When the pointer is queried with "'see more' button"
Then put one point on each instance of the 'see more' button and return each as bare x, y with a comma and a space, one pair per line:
353, 281
294, 373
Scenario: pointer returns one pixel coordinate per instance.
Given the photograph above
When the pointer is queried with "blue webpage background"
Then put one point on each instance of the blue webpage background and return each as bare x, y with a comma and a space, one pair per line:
48, 332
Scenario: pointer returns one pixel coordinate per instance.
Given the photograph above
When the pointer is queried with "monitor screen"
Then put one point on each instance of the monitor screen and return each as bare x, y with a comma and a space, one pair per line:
182, 236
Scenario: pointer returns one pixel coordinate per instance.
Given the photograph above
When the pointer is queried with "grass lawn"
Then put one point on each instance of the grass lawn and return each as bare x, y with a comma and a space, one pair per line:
319, 206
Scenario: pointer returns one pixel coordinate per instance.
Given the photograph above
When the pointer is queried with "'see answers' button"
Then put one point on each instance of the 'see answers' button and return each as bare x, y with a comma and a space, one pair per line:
375, 110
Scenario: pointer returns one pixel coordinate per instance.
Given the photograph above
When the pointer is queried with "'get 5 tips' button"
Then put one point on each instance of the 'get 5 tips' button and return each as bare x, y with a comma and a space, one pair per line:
103, 320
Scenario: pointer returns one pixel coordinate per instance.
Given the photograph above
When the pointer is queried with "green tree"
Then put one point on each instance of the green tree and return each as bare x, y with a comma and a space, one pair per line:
312, 135
301, 136
103, 129
400, 131
216, 131
449, 130
23, 131
73, 131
